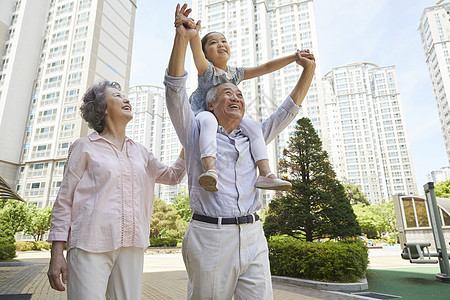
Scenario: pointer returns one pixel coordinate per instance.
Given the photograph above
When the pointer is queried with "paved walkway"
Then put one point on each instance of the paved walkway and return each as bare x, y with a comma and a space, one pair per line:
164, 278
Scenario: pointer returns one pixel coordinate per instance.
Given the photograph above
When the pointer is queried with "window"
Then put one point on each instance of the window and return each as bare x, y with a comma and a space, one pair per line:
38, 166
415, 212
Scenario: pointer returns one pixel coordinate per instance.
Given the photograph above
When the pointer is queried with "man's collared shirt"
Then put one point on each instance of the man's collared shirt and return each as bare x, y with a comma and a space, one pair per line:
235, 166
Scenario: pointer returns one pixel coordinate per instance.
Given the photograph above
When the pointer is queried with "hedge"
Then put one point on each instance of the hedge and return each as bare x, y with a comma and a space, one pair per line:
344, 261
163, 242
31, 245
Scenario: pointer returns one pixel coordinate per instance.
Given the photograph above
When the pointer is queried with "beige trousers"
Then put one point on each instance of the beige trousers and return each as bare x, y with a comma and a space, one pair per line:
110, 275
223, 261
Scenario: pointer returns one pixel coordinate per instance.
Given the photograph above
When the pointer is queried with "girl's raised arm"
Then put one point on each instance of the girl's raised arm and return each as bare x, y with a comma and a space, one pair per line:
201, 63
269, 66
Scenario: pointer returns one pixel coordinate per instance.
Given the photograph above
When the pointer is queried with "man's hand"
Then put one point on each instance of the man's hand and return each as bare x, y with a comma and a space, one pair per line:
184, 33
305, 58
186, 27
57, 267
181, 14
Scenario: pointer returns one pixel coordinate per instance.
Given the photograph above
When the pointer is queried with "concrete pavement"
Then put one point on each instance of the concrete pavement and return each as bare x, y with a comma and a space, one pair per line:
164, 278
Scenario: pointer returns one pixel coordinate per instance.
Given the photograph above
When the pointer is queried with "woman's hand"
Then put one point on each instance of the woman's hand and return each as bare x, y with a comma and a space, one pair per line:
57, 267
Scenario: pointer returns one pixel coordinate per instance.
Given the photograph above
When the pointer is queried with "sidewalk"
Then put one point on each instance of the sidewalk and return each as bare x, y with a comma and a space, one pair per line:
164, 278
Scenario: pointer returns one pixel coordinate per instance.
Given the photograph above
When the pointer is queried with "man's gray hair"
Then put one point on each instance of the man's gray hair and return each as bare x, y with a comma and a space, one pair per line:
211, 96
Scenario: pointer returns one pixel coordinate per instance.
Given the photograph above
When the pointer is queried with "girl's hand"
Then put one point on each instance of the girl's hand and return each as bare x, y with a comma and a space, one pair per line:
182, 17
185, 26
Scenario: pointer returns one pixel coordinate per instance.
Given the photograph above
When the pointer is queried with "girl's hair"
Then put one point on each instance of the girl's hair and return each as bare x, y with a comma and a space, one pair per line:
94, 104
205, 39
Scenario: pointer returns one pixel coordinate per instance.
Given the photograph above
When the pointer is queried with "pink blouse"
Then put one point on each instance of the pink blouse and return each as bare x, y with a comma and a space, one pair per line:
106, 197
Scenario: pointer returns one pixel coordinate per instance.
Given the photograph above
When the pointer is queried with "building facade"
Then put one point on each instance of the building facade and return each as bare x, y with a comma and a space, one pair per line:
152, 127
434, 30
436, 176
54, 52
367, 138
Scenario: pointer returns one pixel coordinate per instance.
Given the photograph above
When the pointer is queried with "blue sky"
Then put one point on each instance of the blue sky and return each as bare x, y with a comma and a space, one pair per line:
383, 32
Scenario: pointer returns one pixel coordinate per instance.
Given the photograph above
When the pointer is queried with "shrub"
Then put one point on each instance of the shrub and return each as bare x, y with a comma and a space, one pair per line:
163, 242
7, 249
39, 245
344, 261
25, 246
32, 245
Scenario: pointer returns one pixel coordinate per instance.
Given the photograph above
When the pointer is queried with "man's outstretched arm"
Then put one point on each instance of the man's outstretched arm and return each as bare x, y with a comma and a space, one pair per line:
307, 61
286, 113
180, 112
182, 36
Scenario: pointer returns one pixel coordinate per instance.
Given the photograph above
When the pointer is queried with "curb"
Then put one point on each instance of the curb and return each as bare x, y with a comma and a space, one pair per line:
327, 286
14, 264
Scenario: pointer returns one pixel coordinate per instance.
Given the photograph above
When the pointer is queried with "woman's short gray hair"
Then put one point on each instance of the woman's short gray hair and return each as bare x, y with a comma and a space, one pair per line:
94, 104
211, 96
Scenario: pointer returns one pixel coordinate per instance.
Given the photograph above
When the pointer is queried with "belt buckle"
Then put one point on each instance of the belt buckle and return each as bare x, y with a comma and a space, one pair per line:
237, 220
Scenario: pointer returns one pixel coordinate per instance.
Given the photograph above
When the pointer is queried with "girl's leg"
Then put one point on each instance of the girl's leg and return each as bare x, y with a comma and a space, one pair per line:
208, 150
266, 179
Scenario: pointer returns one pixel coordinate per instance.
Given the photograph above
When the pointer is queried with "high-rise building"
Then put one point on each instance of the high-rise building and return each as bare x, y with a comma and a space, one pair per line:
258, 31
22, 28
54, 51
152, 127
367, 138
436, 176
434, 30
7, 8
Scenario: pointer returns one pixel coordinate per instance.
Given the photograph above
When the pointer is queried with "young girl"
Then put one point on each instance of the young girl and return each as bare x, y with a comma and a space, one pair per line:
211, 55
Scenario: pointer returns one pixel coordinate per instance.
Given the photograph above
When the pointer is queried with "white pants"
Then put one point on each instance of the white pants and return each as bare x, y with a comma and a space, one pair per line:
223, 261
110, 275
250, 128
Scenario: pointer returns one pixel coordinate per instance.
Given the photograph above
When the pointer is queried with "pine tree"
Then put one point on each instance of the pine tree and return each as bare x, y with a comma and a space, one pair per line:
317, 206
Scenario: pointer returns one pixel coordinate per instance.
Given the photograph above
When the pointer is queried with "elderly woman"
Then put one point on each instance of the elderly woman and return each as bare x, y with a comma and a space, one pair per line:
104, 206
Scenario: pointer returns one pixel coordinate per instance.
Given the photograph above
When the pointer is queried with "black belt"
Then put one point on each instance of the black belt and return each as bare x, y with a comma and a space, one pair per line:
225, 221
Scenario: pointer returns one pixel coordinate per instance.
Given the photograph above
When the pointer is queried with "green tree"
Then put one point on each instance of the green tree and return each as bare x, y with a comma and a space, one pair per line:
375, 218
165, 221
442, 189
182, 206
317, 206
38, 222
15, 213
354, 193
366, 219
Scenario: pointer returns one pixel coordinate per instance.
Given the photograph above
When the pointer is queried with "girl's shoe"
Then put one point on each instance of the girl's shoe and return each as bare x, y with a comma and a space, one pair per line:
208, 180
276, 184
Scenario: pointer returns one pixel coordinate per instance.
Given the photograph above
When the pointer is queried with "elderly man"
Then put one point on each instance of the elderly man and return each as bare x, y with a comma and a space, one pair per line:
224, 248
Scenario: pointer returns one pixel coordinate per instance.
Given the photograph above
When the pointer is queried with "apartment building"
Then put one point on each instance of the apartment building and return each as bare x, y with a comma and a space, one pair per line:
54, 51
434, 30
368, 145
437, 176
